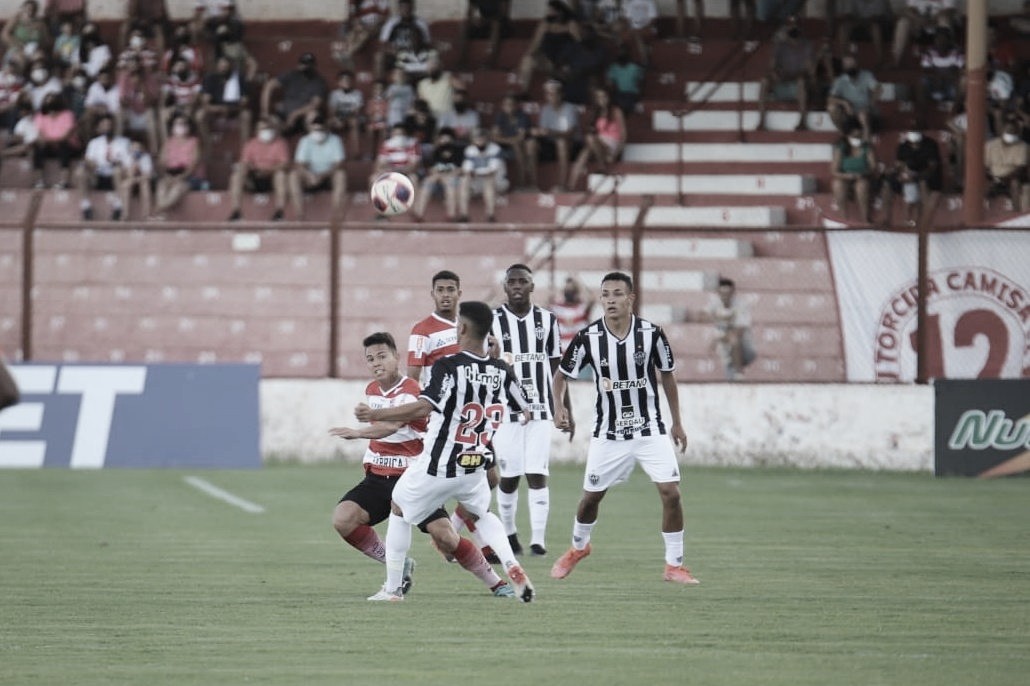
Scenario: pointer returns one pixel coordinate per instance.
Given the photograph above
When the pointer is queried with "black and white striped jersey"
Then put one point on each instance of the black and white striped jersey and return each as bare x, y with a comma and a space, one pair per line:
624, 372
471, 396
529, 344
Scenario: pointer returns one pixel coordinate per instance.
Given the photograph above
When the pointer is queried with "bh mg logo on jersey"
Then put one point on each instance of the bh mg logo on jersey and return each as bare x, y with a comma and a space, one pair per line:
978, 327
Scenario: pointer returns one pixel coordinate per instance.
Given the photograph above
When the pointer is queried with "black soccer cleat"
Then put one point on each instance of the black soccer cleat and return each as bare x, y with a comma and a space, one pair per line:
516, 547
537, 550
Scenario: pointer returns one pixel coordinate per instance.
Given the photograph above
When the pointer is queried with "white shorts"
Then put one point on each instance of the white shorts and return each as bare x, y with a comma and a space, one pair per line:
611, 462
419, 495
523, 448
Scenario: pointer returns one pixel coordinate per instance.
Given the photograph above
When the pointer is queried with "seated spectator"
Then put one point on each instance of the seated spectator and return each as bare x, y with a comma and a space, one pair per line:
916, 176
318, 166
102, 98
376, 110
404, 42
624, 79
223, 95
464, 118
178, 165
555, 33
581, 67
262, 169
25, 34
302, 93
398, 153
66, 46
231, 47
139, 50
399, 97
483, 174
940, 77
852, 170
922, 17
732, 318
42, 82
94, 54
11, 85
137, 179
1005, 159
556, 135
571, 309
150, 18
511, 131
23, 137
365, 18
853, 95
181, 94
605, 138
184, 48
103, 165
437, 88
421, 125
1001, 105
55, 125
75, 88
485, 20
138, 89
443, 175
58, 12
346, 112
864, 19
790, 74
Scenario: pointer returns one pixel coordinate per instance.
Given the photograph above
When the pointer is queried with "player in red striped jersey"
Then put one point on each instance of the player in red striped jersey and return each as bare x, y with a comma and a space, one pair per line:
435, 336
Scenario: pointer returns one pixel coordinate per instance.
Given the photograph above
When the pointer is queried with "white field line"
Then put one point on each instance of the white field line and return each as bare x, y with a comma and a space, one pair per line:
225, 496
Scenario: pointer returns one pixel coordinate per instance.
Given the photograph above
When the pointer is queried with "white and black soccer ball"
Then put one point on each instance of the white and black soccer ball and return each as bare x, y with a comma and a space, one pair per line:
392, 193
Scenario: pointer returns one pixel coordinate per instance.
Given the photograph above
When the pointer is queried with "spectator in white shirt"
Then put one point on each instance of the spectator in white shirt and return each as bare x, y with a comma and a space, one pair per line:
103, 167
483, 173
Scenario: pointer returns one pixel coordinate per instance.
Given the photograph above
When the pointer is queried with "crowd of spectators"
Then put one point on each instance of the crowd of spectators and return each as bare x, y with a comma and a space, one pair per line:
137, 112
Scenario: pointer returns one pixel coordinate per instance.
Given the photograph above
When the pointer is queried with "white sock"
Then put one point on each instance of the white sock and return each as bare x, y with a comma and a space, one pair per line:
507, 506
673, 547
491, 531
398, 541
539, 510
581, 534
457, 522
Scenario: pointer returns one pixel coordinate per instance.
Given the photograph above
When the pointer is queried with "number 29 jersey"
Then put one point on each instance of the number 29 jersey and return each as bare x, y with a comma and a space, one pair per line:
471, 395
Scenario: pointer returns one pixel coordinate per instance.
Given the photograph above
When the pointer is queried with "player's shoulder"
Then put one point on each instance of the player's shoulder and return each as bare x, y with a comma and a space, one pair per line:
423, 325
410, 386
372, 388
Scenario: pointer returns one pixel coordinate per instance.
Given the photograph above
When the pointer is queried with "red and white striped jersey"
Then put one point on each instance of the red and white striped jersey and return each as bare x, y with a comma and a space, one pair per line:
432, 338
390, 455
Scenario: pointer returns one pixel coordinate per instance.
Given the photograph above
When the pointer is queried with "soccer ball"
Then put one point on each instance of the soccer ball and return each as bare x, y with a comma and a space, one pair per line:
392, 193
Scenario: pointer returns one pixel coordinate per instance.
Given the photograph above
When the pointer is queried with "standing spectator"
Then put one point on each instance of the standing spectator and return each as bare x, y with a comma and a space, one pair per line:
55, 125
223, 95
178, 165
404, 41
302, 92
150, 19
556, 32
627, 430
103, 165
624, 79
485, 20
25, 33
922, 17
262, 169
1005, 159
861, 19
443, 175
399, 96
732, 318
511, 131
916, 176
464, 118
852, 170
556, 135
94, 54
437, 88
605, 139
318, 166
365, 18
399, 153
853, 97
791, 74
137, 179
483, 173
376, 110
346, 112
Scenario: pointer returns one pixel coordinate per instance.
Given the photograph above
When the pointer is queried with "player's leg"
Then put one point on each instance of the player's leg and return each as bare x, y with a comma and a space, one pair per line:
398, 542
509, 446
464, 552
657, 457
361, 508
538, 460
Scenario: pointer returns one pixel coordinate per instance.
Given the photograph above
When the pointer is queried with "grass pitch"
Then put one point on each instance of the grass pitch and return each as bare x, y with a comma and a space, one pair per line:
807, 578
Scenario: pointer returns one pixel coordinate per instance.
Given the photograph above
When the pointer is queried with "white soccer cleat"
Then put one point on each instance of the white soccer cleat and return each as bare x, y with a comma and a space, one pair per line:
388, 596
524, 590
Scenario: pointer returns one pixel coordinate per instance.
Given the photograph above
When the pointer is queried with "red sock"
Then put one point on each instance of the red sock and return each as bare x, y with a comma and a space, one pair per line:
470, 557
365, 539
469, 522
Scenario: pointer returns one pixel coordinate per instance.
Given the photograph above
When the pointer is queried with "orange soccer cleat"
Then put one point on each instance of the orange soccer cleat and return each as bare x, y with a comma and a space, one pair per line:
567, 562
679, 574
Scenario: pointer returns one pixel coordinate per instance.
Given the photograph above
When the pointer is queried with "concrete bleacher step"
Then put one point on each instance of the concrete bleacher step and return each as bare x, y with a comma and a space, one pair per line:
787, 369
706, 184
697, 338
780, 307
595, 247
748, 91
732, 120
765, 153
671, 280
729, 216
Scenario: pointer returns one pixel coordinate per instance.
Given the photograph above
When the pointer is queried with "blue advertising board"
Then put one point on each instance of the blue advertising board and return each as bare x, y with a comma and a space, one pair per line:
88, 416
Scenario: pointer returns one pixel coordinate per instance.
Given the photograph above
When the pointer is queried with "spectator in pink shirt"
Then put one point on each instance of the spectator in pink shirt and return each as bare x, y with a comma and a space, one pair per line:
56, 126
262, 168
178, 165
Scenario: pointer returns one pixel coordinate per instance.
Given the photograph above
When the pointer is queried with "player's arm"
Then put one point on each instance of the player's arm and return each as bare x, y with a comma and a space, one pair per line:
672, 394
403, 414
372, 431
415, 372
564, 400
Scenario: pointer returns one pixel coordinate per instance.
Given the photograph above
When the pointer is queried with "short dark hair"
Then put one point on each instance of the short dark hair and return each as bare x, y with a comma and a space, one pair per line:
619, 276
380, 338
478, 315
445, 275
724, 281
518, 265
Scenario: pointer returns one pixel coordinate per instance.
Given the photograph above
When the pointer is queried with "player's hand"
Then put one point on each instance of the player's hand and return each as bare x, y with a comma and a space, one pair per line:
344, 432
571, 429
562, 419
524, 417
363, 412
679, 437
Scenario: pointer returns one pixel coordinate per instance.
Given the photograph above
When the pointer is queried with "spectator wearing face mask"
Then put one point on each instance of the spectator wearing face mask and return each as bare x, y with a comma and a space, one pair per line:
852, 169
853, 97
183, 48
223, 95
437, 88
318, 166
443, 176
231, 47
139, 90
463, 119
483, 174
74, 93
346, 111
262, 169
137, 179
103, 97
791, 74
139, 50
180, 93
148, 17
178, 166
42, 83
103, 165
302, 92
56, 126
916, 176
1005, 159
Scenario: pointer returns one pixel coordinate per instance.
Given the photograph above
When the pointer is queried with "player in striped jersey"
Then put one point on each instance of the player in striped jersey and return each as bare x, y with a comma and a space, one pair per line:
467, 396
528, 337
437, 335
625, 352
